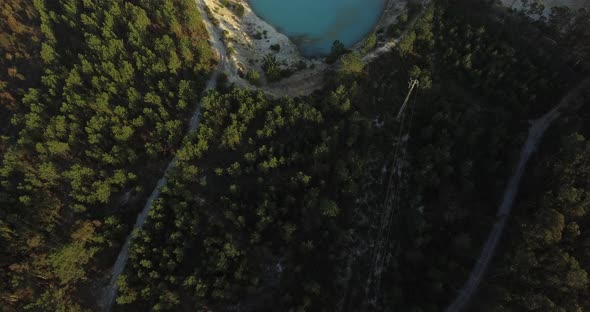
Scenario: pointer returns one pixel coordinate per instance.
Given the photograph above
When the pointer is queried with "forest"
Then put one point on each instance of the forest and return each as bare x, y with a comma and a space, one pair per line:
326, 202
547, 259
95, 98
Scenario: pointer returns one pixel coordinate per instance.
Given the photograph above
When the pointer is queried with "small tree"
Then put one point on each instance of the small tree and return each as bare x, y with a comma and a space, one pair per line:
329, 208
406, 45
369, 43
271, 67
253, 77
352, 65
336, 52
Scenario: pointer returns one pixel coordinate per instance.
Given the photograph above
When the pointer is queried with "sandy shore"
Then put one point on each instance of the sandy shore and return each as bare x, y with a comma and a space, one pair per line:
249, 38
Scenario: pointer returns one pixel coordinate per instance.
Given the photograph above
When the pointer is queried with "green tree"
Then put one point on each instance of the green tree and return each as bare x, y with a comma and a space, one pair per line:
337, 50
271, 67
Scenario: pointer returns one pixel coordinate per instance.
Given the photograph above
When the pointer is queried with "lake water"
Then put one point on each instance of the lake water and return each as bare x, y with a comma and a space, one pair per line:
315, 24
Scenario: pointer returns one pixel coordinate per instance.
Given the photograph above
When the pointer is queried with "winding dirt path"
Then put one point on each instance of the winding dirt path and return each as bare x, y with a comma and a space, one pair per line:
536, 132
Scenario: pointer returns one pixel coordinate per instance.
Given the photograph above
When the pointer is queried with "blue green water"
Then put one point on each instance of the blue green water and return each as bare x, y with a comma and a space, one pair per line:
315, 24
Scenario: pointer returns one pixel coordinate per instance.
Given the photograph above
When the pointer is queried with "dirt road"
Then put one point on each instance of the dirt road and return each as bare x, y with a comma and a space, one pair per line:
110, 293
536, 132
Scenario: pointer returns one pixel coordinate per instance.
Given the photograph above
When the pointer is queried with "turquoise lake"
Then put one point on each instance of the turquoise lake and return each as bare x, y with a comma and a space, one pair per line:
315, 24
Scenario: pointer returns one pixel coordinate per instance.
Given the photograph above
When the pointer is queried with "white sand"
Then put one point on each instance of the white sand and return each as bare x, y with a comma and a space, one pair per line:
240, 36
248, 52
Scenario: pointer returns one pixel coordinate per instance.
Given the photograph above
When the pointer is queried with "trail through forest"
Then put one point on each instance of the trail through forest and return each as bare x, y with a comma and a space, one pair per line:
297, 85
536, 132
108, 297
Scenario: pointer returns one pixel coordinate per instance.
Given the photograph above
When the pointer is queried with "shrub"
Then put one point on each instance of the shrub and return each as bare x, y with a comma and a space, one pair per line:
253, 77
271, 68
337, 51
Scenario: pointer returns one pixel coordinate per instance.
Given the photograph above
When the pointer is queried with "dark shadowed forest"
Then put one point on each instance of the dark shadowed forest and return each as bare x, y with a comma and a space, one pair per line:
325, 202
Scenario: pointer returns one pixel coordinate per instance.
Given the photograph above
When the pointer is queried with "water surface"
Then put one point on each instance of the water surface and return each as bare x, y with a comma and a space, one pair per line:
315, 24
